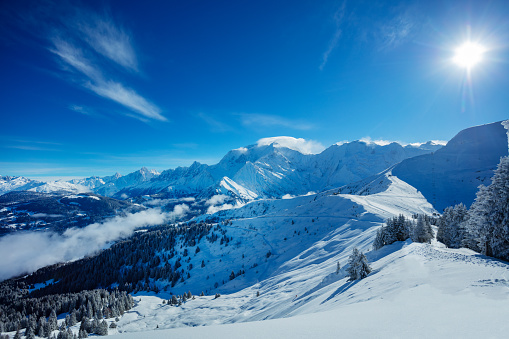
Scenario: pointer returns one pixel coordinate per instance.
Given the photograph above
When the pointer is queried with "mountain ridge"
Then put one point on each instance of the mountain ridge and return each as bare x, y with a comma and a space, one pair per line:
264, 169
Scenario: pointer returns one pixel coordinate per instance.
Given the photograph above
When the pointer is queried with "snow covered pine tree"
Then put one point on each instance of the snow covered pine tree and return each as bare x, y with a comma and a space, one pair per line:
358, 265
488, 222
422, 231
451, 226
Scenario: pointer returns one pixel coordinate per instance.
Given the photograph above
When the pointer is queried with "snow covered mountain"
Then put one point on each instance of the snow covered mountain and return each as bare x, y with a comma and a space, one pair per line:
273, 170
277, 258
110, 185
277, 167
452, 174
8, 183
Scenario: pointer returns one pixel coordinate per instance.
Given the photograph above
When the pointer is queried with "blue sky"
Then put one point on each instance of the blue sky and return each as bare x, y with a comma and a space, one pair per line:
93, 87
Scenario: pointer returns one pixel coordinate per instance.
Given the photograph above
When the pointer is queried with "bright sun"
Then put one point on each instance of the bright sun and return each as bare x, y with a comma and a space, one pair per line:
468, 55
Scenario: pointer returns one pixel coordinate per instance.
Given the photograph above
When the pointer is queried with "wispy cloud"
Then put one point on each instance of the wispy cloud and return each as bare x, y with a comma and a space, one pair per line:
109, 40
298, 144
126, 97
30, 148
30, 145
40, 142
87, 46
95, 81
39, 169
215, 124
396, 31
82, 109
338, 19
73, 56
265, 120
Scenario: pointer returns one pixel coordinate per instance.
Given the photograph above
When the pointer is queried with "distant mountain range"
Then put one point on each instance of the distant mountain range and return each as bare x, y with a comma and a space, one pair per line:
246, 173
445, 175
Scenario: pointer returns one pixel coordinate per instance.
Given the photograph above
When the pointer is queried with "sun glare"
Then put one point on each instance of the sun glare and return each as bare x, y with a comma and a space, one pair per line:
468, 55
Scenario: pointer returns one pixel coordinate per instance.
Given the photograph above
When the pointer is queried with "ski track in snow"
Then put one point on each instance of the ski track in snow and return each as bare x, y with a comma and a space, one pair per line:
299, 284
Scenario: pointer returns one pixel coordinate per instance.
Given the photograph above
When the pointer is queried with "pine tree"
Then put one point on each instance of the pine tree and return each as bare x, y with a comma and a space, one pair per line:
41, 327
358, 265
489, 215
30, 333
477, 219
422, 231
379, 239
102, 328
451, 226
52, 321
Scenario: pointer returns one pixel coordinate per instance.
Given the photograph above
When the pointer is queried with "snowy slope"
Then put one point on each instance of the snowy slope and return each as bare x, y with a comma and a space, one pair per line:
452, 174
286, 247
60, 186
415, 290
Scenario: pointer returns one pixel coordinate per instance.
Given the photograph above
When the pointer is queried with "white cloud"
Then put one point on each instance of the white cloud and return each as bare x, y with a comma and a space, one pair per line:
89, 39
214, 209
73, 57
27, 252
94, 81
217, 199
30, 148
379, 142
110, 41
297, 144
82, 110
126, 97
338, 19
179, 211
265, 120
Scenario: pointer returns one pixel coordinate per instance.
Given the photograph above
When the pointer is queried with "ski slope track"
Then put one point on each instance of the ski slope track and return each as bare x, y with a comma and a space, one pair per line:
415, 290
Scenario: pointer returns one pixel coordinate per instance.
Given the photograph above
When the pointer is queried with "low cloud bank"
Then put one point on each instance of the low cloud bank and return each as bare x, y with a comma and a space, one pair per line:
26, 252
216, 200
214, 209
